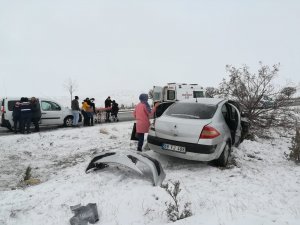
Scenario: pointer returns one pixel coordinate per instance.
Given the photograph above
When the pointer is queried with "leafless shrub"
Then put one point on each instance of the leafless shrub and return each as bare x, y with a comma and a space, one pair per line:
27, 175
257, 96
295, 148
173, 207
28, 180
211, 92
71, 86
288, 91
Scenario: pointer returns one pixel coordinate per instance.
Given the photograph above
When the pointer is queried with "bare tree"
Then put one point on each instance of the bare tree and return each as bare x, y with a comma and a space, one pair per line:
211, 92
289, 91
71, 86
256, 94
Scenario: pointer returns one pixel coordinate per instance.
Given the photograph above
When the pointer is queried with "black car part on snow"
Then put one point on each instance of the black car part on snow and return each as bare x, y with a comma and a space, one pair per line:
84, 214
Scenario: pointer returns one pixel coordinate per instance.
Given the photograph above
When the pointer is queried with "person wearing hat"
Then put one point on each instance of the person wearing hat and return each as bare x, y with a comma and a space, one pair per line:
142, 114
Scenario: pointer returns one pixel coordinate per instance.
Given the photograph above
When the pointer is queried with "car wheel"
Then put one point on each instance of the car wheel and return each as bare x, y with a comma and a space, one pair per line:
9, 127
223, 159
68, 121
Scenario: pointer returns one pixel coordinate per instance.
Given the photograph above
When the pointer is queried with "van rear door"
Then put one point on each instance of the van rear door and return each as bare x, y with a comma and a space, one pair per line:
7, 107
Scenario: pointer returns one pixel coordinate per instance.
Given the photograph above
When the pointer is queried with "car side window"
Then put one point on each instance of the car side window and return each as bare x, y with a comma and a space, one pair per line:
171, 95
50, 106
11, 105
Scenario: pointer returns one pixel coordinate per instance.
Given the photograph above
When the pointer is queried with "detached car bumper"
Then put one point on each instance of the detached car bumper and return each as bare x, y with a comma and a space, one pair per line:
196, 152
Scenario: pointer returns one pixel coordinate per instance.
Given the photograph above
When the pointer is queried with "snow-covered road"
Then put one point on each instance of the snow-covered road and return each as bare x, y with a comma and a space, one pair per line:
262, 187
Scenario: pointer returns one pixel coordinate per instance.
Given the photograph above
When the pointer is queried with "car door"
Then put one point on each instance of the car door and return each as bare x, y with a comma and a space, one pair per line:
51, 113
236, 117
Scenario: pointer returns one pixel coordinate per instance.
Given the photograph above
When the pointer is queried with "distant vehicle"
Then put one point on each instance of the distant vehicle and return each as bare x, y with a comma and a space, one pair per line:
204, 130
52, 113
173, 92
177, 92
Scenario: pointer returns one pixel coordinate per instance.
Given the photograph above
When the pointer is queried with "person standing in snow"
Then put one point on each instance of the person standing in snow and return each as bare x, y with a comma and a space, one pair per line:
26, 115
85, 112
142, 114
16, 116
114, 110
75, 111
36, 113
107, 104
93, 111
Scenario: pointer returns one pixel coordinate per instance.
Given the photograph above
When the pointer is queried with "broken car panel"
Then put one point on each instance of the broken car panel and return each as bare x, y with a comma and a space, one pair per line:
130, 160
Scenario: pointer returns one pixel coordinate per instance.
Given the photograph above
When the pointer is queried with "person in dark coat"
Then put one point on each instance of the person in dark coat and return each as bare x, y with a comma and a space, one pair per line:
75, 111
16, 116
26, 115
115, 110
36, 113
107, 104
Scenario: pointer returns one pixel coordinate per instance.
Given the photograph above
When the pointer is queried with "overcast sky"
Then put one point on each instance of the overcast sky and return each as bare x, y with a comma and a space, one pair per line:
134, 44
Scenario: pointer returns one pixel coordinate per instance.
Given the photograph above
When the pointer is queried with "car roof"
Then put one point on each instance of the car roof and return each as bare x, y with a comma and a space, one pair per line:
207, 101
19, 98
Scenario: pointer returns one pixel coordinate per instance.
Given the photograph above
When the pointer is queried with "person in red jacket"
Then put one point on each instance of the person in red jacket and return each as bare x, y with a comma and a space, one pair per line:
142, 114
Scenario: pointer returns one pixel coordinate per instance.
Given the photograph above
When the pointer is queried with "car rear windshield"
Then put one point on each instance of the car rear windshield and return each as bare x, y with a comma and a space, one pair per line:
192, 110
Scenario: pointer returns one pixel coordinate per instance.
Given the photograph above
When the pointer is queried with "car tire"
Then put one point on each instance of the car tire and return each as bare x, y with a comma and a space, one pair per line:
68, 122
222, 161
9, 127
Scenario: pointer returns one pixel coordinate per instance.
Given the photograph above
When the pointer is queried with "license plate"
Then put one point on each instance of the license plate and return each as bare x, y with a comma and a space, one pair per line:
174, 148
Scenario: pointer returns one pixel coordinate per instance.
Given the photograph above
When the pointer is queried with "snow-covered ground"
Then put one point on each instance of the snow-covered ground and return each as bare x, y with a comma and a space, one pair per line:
262, 187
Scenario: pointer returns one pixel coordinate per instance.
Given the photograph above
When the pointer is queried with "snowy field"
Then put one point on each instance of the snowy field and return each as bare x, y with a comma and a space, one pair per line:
260, 187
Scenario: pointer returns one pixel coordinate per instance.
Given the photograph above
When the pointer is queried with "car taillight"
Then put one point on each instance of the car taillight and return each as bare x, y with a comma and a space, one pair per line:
209, 132
2, 109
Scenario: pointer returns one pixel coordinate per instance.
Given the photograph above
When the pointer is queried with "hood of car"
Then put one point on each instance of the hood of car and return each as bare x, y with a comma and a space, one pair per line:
180, 129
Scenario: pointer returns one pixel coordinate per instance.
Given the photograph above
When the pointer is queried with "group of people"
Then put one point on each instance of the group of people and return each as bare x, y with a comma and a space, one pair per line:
112, 109
26, 112
88, 110
142, 114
